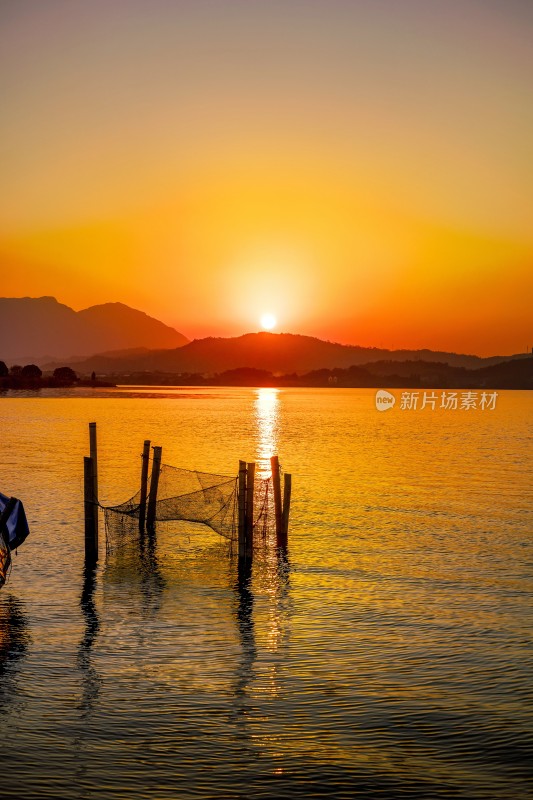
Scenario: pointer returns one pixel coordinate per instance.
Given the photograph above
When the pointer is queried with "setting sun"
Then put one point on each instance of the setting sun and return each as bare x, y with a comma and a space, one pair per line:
268, 321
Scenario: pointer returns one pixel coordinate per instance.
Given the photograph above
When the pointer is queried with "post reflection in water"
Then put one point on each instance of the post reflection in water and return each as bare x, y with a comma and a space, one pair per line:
245, 668
262, 615
14, 641
91, 681
263, 604
134, 571
266, 408
152, 581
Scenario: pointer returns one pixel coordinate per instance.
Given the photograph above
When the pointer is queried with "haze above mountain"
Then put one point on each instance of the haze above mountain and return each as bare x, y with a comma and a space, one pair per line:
37, 328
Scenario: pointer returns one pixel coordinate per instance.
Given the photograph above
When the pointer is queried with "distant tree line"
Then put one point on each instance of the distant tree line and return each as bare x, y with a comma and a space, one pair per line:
31, 376
511, 374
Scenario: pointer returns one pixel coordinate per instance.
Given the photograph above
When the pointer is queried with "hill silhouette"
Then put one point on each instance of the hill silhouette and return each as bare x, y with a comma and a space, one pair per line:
277, 353
37, 328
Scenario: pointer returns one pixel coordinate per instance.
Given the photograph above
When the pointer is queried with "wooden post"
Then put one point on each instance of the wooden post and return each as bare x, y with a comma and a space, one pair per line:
93, 447
287, 485
91, 530
249, 527
276, 485
242, 509
144, 483
154, 483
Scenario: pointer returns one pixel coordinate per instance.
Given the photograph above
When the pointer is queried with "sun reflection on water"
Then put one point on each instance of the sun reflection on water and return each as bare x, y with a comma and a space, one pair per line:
266, 407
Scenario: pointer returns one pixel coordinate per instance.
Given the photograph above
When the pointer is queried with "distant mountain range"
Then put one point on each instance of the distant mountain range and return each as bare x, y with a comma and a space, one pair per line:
278, 353
40, 328
115, 340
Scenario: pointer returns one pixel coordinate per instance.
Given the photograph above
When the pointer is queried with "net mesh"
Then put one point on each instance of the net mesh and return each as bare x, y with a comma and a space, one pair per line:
191, 496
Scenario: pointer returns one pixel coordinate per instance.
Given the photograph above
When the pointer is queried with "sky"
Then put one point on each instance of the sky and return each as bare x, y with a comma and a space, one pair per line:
361, 169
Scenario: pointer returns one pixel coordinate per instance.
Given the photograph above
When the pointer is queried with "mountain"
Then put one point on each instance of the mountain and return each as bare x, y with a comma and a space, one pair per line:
40, 328
279, 353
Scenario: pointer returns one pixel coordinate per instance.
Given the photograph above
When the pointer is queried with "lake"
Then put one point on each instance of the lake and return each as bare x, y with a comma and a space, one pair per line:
388, 656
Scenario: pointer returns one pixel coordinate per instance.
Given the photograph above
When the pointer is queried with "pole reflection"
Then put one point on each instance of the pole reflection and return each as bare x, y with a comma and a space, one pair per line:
245, 673
268, 623
152, 580
270, 582
134, 571
91, 680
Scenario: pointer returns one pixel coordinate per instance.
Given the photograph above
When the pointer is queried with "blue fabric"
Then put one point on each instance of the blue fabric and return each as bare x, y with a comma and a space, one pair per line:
17, 524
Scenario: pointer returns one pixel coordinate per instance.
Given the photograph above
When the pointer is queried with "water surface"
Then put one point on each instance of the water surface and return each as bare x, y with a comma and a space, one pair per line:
388, 656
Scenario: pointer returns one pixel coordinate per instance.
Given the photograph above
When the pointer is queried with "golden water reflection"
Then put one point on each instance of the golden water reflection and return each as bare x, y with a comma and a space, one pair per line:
263, 618
267, 409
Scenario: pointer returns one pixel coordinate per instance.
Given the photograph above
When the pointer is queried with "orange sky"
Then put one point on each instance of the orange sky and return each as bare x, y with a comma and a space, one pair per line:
360, 169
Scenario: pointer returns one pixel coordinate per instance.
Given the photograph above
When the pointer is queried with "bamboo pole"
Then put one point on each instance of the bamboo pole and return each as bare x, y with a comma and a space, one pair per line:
154, 484
242, 510
274, 463
287, 487
91, 530
144, 483
93, 452
249, 527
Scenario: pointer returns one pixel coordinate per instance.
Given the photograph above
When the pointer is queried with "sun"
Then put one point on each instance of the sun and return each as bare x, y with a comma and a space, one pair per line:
268, 321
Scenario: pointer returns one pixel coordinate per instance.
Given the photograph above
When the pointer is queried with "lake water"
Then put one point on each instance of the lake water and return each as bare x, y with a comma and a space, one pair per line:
389, 656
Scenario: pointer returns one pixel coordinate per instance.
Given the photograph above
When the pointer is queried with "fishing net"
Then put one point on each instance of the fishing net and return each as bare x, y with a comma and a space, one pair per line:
186, 495
201, 497
205, 498
264, 530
